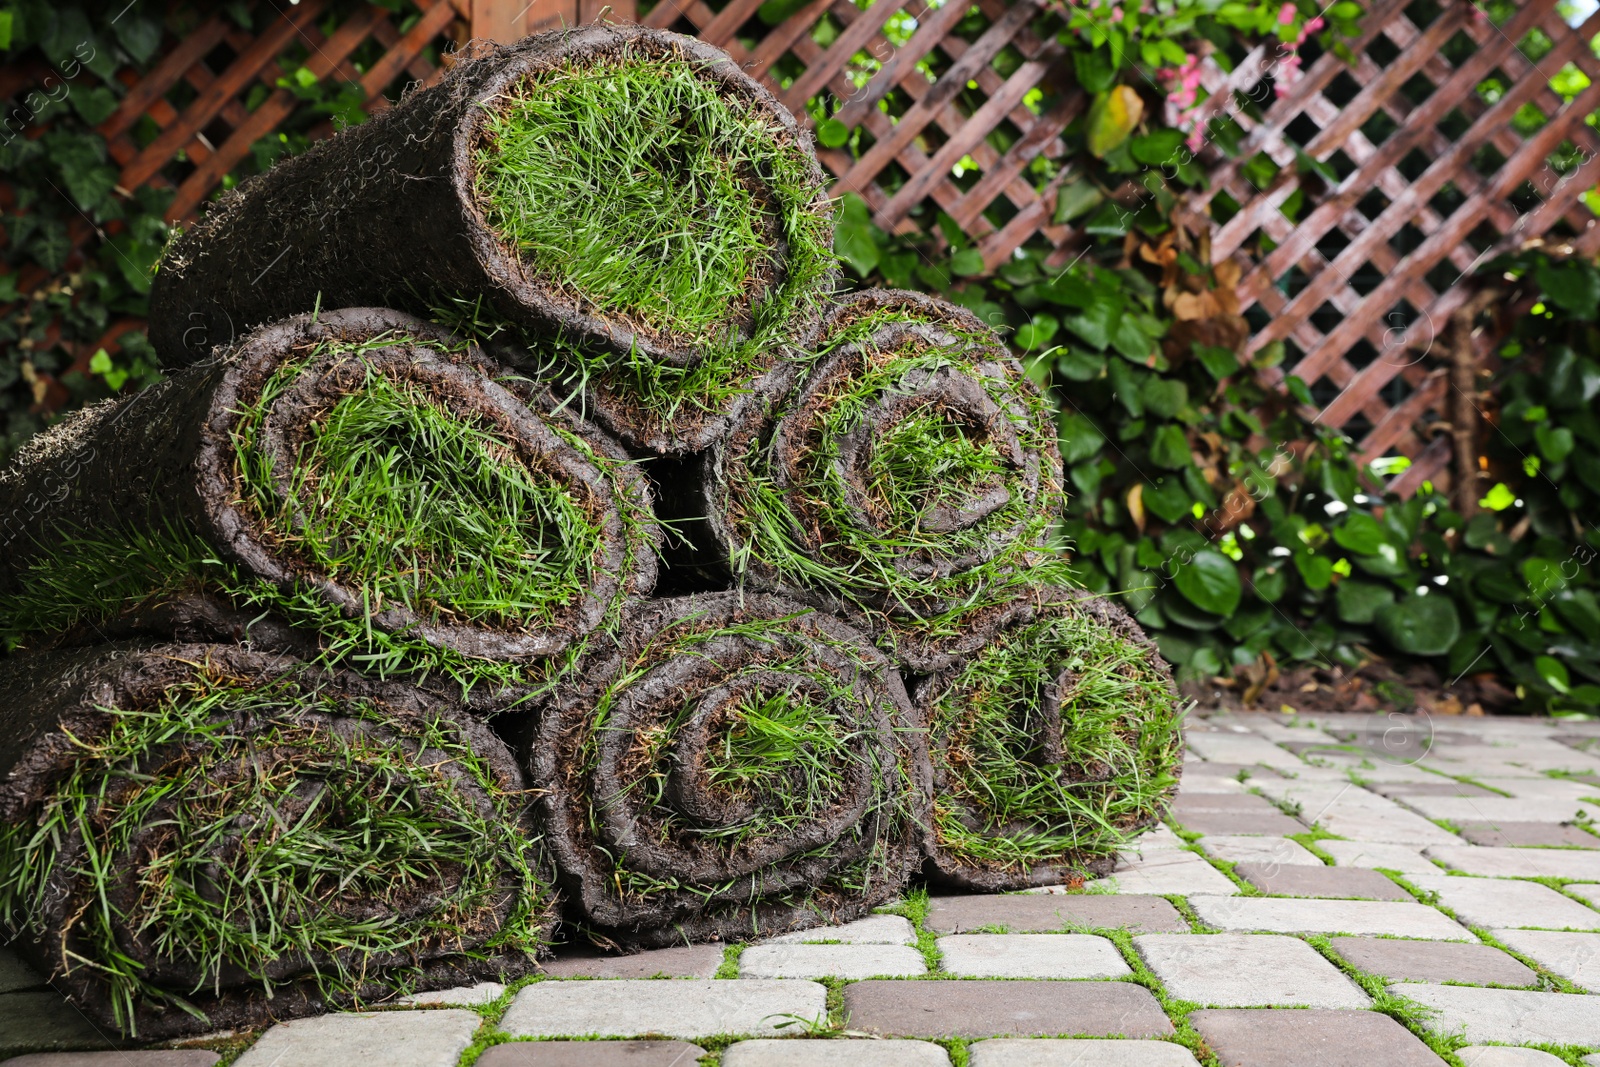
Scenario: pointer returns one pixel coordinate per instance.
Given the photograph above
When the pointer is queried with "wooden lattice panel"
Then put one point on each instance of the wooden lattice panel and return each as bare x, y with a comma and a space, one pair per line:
949, 86
1358, 276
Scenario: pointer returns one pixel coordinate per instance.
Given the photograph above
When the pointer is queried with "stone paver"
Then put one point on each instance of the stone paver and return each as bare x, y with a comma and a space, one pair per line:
1439, 787
873, 930
1191, 803
466, 995
688, 1010
831, 961
16, 975
43, 1022
1067, 1052
1512, 1016
1506, 1056
1496, 809
1540, 786
1159, 836
769, 1052
390, 1038
978, 1008
191, 1057
591, 1054
1031, 956
1167, 872
1328, 917
1037, 913
1587, 892
1433, 961
1498, 903
1289, 880
682, 961
1240, 748
1298, 1038
1270, 821
1237, 849
1247, 971
1575, 957
1397, 827
1520, 862
1402, 858
1527, 835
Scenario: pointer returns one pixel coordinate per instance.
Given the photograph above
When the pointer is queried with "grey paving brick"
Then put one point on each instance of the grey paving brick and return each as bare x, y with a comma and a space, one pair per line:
1506, 1056
592, 1054
683, 961
1031, 956
1034, 913
15, 975
385, 1038
1070, 1052
1520, 862
1158, 836
1541, 786
1433, 961
1586, 891
1402, 858
1247, 971
1298, 1037
1438, 787
1245, 803
1512, 1016
873, 930
195, 1057
1269, 821
1498, 903
979, 1008
1237, 849
1167, 872
769, 1052
1242, 748
831, 961
1527, 835
468, 995
44, 1022
1328, 917
1497, 809
634, 1008
1575, 957
1290, 880
1388, 827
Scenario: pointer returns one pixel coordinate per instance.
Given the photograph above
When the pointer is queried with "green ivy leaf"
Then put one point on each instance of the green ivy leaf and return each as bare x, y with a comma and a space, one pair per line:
1210, 582
1360, 602
1096, 72
1158, 147
1361, 533
853, 239
1316, 571
1270, 583
966, 263
831, 133
1571, 285
1167, 499
5, 30
1555, 442
1420, 625
1219, 362
1170, 449
1553, 672
1080, 439
1077, 365
1076, 199
1499, 498
1037, 331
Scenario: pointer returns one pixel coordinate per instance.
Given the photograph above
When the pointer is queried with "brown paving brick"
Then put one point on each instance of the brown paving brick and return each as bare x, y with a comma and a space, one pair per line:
682, 961
978, 1009
1043, 913
1527, 834
1302, 880
1433, 961
195, 1057
1271, 822
590, 1054
1210, 802
1297, 1037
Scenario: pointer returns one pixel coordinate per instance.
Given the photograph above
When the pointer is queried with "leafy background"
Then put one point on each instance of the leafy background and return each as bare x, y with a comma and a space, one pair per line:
1268, 565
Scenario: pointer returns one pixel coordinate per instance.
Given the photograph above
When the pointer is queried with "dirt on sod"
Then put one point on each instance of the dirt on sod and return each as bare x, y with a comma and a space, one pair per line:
351, 484
738, 766
202, 837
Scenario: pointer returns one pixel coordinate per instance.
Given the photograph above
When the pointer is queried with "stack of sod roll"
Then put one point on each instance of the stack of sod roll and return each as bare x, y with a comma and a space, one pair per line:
528, 542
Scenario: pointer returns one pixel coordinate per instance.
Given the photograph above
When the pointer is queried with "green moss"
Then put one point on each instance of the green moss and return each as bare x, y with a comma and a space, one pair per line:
254, 834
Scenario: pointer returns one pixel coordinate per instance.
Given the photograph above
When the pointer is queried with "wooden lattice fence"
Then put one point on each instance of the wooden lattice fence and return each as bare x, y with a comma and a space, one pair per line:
1362, 193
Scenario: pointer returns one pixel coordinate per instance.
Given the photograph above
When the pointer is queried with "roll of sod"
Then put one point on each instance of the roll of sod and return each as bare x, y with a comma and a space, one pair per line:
355, 476
199, 837
627, 194
1051, 746
905, 484
736, 767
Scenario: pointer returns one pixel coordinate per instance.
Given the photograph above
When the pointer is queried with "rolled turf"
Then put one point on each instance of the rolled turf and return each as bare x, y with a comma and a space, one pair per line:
1051, 746
906, 483
200, 837
737, 767
351, 484
639, 211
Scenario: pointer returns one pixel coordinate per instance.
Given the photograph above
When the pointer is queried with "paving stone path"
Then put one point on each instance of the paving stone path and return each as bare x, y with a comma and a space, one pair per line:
1340, 891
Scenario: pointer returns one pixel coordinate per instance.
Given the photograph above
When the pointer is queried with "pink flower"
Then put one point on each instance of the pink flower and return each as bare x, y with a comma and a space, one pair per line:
1116, 14
1315, 24
1286, 14
1196, 139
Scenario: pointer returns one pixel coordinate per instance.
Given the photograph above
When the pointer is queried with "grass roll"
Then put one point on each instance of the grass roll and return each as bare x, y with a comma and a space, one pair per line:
1051, 746
200, 837
353, 478
905, 483
629, 197
736, 767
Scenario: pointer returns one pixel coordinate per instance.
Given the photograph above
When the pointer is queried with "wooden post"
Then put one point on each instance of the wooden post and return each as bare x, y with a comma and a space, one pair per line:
1464, 416
504, 21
